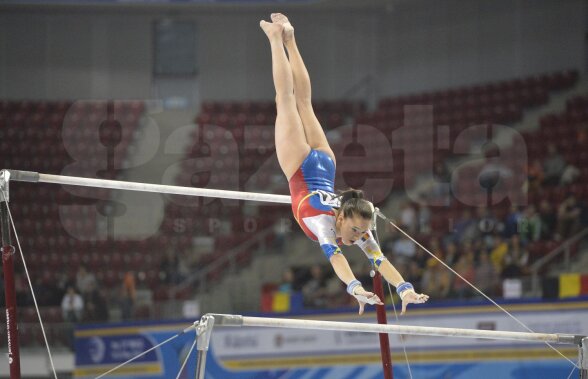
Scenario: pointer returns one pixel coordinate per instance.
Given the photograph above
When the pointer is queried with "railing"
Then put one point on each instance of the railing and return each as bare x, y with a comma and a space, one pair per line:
565, 249
230, 259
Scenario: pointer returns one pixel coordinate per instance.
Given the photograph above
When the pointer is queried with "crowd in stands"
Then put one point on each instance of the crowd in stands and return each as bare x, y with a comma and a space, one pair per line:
489, 252
69, 301
81, 298
490, 248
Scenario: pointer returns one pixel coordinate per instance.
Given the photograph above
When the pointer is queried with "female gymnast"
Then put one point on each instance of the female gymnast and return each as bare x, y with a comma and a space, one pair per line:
308, 162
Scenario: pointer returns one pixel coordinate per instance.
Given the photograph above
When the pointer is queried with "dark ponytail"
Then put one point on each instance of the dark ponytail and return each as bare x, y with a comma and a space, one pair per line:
354, 204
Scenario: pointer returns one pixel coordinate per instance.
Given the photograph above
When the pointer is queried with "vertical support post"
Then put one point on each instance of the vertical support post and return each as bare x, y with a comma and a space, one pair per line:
384, 340
583, 348
381, 309
203, 332
9, 290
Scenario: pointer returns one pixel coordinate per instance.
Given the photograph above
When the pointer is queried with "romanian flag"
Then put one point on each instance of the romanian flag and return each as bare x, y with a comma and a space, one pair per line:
273, 300
281, 302
569, 285
572, 285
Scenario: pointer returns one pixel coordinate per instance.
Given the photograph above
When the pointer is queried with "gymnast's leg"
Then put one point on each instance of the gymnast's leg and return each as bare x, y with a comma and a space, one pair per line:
315, 136
291, 145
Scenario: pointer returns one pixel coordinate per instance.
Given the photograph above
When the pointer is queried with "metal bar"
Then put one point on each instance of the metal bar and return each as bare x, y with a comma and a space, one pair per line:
11, 312
381, 309
236, 320
381, 316
147, 187
201, 364
9, 288
203, 331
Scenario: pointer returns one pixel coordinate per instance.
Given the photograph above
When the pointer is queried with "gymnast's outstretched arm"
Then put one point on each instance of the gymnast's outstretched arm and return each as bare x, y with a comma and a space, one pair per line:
404, 289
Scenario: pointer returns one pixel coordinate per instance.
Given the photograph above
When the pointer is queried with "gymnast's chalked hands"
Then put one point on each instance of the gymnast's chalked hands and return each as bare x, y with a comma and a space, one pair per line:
364, 297
411, 297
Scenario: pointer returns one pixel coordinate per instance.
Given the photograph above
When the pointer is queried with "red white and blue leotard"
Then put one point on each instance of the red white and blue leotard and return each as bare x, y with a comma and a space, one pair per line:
313, 200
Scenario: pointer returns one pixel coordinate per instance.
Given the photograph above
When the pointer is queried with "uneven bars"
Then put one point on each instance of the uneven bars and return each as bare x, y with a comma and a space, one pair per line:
237, 320
35, 177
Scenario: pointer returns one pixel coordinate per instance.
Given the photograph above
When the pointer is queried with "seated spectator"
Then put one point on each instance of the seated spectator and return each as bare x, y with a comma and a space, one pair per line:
414, 273
128, 295
464, 267
515, 260
64, 280
487, 279
435, 248
535, 176
404, 249
436, 190
313, 290
72, 306
95, 305
424, 218
287, 283
408, 218
47, 292
548, 220
451, 254
336, 291
169, 267
530, 225
466, 227
185, 265
511, 224
441, 172
568, 217
84, 280
467, 248
495, 176
436, 280
498, 252
387, 244
421, 257
553, 165
488, 225
569, 175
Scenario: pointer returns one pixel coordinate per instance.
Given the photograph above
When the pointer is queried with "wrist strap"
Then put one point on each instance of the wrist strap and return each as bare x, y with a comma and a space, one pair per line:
351, 286
403, 287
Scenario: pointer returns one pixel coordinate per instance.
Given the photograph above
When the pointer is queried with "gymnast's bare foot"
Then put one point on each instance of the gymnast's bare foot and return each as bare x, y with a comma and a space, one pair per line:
273, 31
279, 18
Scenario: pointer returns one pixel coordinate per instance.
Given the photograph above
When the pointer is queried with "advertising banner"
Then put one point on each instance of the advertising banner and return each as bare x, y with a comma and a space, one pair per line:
259, 353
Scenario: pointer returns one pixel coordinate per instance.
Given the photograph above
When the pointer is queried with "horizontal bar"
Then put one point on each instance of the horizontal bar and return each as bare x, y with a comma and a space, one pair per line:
28, 176
236, 320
